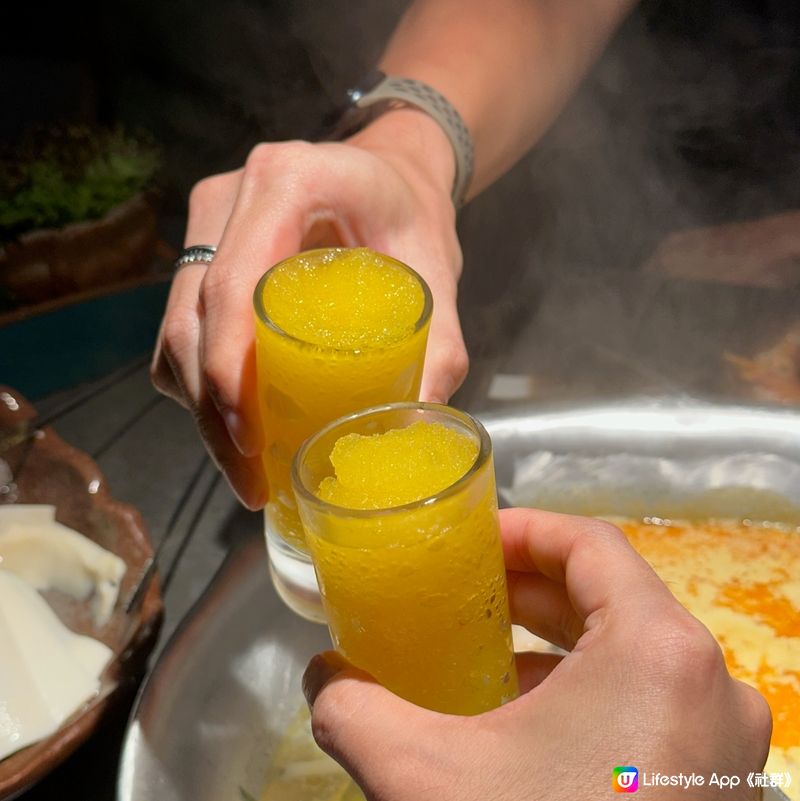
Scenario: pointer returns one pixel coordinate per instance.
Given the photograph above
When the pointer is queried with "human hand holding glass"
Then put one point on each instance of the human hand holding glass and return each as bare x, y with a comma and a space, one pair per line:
400, 511
381, 190
644, 684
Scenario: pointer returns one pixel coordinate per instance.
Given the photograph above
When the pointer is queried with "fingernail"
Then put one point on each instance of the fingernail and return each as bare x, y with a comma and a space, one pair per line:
321, 669
257, 493
256, 500
434, 395
244, 441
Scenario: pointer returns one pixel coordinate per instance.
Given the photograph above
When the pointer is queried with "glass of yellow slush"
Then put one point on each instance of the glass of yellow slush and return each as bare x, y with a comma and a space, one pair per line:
337, 329
400, 511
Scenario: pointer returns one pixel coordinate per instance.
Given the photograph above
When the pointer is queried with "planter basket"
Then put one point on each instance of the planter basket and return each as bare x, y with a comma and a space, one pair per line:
50, 263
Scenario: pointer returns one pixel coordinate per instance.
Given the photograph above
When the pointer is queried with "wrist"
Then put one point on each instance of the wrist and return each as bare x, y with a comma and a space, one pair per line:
414, 142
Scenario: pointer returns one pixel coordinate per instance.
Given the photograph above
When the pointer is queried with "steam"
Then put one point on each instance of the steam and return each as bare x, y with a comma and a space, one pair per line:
686, 121
670, 131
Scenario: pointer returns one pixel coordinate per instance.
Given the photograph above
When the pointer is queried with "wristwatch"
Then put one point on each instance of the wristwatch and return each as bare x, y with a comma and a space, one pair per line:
378, 93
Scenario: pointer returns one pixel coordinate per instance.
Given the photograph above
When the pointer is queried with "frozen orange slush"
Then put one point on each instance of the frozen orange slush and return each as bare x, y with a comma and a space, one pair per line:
405, 542
336, 330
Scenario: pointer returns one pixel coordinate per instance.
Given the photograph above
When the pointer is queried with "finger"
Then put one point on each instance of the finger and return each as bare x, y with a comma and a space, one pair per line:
375, 735
533, 668
211, 205
267, 225
211, 202
593, 559
543, 607
245, 474
161, 374
446, 360
756, 718
175, 369
179, 351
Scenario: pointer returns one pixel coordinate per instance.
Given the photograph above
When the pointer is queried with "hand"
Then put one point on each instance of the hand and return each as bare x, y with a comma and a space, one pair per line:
644, 684
387, 188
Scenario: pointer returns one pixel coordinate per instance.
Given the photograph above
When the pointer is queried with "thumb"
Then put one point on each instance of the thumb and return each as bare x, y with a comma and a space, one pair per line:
446, 360
376, 736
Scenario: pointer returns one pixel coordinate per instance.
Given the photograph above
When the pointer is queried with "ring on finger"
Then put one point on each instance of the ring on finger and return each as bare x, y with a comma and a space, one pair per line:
195, 253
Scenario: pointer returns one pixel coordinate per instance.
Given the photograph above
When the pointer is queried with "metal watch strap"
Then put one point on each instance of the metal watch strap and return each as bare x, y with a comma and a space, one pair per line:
391, 90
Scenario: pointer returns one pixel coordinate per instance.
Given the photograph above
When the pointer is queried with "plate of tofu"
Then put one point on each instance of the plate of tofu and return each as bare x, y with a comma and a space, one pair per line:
71, 558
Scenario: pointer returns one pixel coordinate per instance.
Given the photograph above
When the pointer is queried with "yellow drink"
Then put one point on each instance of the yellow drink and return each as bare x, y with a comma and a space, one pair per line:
336, 330
403, 532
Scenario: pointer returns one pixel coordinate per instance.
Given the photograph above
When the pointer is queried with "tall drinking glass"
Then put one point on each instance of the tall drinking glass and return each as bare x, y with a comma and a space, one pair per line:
414, 594
337, 330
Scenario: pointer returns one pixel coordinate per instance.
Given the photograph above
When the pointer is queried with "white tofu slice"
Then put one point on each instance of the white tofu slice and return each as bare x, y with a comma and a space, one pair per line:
46, 671
49, 555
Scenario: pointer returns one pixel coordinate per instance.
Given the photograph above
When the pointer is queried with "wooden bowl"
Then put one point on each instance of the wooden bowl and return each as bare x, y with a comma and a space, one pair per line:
37, 466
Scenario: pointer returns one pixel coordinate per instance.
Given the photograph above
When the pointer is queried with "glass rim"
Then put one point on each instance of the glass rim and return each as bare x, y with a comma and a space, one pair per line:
484, 454
263, 316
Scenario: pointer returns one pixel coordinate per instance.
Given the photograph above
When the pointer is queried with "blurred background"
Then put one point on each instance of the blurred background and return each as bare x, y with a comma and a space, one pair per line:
650, 243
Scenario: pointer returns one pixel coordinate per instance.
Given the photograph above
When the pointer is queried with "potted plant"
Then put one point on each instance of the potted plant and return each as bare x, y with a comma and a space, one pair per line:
76, 212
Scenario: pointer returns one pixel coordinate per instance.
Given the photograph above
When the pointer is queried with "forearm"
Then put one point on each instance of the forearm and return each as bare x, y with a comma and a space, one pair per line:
508, 66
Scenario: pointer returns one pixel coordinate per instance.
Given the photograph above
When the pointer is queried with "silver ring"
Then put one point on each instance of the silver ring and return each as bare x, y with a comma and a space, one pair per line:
195, 253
